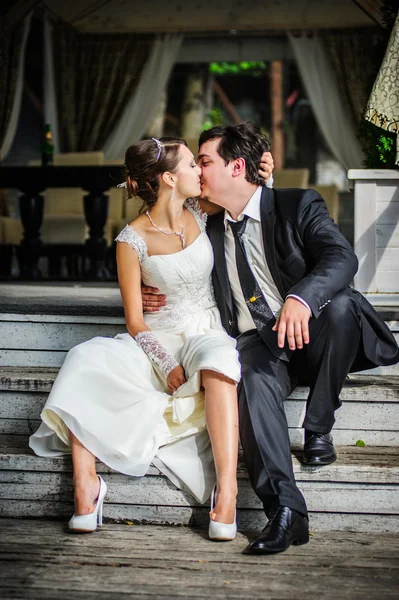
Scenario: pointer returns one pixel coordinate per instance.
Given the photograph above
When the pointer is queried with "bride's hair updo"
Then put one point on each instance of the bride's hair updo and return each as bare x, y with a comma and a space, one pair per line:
145, 162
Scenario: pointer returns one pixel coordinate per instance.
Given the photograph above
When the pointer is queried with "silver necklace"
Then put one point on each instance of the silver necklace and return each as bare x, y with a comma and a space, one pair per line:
181, 233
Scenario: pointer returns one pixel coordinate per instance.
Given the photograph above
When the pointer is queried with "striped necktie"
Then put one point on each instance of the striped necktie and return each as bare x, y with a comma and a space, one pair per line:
258, 306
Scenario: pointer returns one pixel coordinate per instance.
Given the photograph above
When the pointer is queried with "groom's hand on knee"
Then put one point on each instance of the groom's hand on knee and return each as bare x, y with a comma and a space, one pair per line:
293, 322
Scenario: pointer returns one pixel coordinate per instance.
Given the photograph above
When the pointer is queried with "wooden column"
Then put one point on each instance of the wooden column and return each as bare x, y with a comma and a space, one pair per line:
193, 113
277, 106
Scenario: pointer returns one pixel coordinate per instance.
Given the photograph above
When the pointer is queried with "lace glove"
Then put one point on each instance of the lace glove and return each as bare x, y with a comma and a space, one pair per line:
156, 352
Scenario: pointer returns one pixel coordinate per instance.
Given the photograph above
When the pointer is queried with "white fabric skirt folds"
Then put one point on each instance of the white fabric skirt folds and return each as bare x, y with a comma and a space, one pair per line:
113, 399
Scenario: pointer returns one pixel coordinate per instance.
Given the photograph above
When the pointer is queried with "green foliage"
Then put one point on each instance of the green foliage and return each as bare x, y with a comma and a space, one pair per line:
213, 118
384, 147
360, 444
254, 68
379, 146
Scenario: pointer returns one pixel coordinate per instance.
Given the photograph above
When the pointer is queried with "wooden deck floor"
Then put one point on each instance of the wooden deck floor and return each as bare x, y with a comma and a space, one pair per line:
40, 559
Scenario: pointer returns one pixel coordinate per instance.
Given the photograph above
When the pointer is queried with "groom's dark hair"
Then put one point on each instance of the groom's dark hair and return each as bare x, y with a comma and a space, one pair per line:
240, 141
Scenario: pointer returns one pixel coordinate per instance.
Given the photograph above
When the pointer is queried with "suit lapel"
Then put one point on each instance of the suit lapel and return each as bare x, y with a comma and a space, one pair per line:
216, 235
268, 220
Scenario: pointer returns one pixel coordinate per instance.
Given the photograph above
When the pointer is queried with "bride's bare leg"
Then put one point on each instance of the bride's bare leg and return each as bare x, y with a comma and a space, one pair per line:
85, 480
221, 413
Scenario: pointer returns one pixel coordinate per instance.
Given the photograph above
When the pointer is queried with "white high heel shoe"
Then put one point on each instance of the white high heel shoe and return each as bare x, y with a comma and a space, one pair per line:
88, 523
221, 532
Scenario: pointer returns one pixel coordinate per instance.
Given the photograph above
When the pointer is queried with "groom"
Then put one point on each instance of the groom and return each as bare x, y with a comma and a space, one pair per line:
281, 277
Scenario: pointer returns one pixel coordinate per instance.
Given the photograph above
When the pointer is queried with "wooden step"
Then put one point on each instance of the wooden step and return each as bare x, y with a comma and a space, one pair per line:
44, 340
370, 410
39, 559
86, 299
40, 323
359, 492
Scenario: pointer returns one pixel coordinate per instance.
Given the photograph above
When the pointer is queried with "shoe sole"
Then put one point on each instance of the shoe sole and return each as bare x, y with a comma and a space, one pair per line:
84, 530
81, 530
318, 462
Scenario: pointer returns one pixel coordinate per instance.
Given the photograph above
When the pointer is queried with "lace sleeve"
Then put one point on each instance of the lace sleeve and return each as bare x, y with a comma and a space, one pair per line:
156, 352
131, 237
193, 206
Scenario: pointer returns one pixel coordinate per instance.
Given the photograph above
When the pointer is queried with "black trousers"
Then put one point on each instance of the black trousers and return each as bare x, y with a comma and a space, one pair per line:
267, 381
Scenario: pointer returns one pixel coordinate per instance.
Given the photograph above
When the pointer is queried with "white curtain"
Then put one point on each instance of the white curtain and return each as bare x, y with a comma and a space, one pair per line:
332, 117
12, 125
141, 108
49, 93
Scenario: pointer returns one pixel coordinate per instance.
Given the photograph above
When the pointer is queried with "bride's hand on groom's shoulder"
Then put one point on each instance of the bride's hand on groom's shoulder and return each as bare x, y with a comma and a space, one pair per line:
266, 165
152, 299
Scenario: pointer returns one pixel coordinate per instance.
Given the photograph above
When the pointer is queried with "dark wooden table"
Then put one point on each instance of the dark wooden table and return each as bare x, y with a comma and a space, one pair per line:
32, 181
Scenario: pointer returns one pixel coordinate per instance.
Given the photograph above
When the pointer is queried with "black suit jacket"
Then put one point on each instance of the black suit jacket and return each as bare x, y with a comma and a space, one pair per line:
309, 257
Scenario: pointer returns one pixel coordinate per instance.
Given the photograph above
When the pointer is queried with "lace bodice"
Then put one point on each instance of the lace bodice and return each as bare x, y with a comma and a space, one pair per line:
184, 276
131, 237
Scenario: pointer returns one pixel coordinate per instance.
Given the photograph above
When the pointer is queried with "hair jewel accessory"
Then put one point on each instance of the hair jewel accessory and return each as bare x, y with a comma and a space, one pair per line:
122, 185
158, 143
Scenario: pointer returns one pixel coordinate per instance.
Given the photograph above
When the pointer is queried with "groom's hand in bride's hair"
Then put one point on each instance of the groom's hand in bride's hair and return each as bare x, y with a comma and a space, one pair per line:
175, 379
266, 165
293, 322
151, 298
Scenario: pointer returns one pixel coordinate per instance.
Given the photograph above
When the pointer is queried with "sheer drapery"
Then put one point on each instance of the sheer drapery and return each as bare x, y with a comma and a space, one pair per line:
12, 57
49, 86
351, 55
95, 76
329, 109
383, 105
142, 106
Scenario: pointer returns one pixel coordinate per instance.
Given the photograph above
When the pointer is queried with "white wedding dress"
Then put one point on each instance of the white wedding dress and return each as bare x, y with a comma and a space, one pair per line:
116, 402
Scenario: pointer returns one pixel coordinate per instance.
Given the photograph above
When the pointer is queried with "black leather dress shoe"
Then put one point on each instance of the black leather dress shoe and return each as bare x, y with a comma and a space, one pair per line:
318, 449
285, 527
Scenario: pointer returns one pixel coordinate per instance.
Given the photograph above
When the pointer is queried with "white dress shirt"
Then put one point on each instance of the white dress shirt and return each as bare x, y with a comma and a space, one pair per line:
254, 248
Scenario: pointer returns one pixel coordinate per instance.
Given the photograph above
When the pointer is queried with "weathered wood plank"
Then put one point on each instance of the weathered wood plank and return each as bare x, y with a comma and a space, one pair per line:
21, 405
42, 560
53, 336
19, 426
19, 416
357, 388
342, 437
156, 491
347, 437
354, 464
392, 370
352, 472
18, 403
26, 317
34, 379
31, 358
253, 519
25, 546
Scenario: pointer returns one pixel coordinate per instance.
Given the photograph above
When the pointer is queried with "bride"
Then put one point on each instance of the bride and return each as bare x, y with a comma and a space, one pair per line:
165, 391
